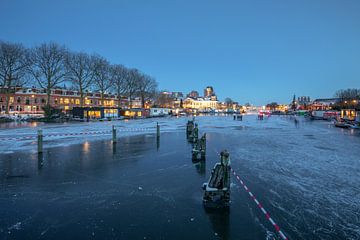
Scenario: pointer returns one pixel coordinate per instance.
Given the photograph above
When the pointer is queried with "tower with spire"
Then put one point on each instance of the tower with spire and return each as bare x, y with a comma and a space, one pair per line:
293, 103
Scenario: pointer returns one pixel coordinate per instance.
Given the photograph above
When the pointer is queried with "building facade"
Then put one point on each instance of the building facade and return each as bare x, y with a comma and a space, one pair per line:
200, 104
32, 100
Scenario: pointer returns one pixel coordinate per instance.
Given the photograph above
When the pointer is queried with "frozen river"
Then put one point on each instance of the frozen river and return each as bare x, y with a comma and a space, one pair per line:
306, 176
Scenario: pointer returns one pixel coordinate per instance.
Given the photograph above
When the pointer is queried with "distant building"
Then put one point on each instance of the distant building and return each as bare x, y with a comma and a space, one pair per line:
200, 104
156, 112
213, 98
193, 94
304, 100
293, 104
208, 91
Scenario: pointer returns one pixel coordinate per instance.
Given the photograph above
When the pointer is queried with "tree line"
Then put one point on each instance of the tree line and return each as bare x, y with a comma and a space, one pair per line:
50, 64
348, 94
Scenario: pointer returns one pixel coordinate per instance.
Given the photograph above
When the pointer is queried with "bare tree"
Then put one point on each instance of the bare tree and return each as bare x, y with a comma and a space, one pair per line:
163, 100
348, 94
47, 66
13, 66
80, 68
132, 83
102, 79
119, 74
146, 88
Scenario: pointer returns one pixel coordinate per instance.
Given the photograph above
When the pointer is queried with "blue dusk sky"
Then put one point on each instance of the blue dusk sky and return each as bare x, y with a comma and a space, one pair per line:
252, 51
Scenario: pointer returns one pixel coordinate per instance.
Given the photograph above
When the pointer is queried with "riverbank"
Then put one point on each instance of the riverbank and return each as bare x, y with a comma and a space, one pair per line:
305, 175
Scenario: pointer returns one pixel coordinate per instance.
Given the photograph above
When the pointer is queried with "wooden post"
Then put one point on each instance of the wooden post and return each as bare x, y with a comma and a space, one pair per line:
40, 141
157, 130
113, 134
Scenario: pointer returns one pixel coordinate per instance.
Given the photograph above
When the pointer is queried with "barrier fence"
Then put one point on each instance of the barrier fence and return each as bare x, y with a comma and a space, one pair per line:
77, 134
40, 136
266, 213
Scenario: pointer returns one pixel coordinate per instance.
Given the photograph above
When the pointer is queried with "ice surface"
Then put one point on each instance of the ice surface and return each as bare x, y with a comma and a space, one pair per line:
306, 175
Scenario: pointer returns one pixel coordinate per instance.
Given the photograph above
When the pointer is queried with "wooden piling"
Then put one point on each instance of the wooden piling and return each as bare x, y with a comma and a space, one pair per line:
157, 130
40, 141
113, 134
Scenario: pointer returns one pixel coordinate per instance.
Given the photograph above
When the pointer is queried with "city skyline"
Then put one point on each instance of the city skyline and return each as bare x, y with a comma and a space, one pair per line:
256, 52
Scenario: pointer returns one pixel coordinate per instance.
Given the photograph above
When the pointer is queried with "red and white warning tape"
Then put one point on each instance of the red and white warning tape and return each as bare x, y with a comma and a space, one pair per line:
18, 138
81, 133
267, 215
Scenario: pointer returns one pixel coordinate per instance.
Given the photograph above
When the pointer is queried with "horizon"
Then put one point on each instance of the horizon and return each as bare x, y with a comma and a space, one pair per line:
258, 52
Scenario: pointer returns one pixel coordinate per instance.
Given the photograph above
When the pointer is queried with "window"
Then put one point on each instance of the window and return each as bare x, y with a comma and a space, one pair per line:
18, 100
27, 101
43, 100
77, 101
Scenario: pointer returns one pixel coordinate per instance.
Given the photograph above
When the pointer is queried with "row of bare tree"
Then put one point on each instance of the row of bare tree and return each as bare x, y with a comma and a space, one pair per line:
48, 65
348, 94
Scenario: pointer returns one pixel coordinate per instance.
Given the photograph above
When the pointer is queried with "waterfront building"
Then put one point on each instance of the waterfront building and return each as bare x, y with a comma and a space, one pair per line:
158, 112
324, 103
204, 104
95, 112
32, 100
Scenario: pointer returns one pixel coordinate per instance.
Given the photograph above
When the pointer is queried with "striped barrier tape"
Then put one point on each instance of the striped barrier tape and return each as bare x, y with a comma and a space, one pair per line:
18, 138
267, 215
75, 134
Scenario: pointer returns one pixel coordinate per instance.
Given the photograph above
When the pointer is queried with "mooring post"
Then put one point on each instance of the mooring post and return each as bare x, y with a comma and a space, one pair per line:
40, 141
157, 130
113, 134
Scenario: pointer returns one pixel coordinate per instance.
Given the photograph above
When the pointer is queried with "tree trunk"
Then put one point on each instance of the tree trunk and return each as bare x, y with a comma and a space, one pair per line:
81, 99
48, 93
130, 105
81, 96
119, 100
143, 102
7, 100
102, 98
7, 94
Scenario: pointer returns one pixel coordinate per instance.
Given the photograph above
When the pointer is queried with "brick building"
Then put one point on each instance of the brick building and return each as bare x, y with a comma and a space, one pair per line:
31, 100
